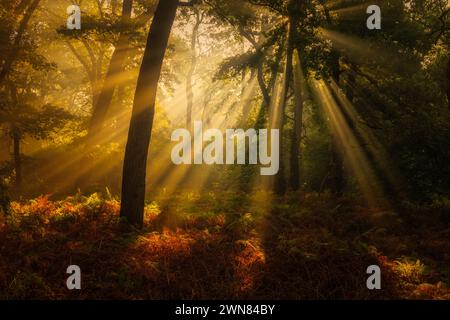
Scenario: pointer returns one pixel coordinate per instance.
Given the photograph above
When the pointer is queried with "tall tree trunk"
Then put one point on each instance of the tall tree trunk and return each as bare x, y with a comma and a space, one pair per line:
16, 155
16, 139
337, 164
280, 180
114, 6
5, 145
351, 81
336, 178
337, 172
336, 181
189, 93
112, 78
136, 152
102, 93
267, 91
294, 180
11, 56
262, 86
448, 83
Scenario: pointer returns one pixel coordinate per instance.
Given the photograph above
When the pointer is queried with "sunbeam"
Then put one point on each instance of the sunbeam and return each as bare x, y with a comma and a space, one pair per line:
349, 146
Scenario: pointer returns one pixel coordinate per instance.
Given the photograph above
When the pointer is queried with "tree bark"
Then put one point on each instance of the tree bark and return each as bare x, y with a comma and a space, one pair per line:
336, 181
139, 135
5, 145
10, 58
265, 104
15, 134
262, 86
280, 181
448, 83
294, 180
337, 173
337, 164
351, 81
112, 79
17, 160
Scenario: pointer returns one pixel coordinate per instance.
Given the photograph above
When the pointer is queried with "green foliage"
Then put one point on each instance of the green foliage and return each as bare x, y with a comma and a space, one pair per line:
234, 66
39, 123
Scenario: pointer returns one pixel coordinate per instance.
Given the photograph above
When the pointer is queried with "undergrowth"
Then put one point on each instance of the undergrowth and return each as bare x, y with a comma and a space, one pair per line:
223, 246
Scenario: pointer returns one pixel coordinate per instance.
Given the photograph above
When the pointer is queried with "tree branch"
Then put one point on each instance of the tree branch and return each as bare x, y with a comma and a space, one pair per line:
81, 60
187, 4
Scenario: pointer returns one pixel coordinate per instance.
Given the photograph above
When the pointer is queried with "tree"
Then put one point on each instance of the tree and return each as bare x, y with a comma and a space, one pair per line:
136, 151
280, 181
111, 80
299, 92
13, 50
24, 83
193, 47
434, 17
4, 197
24, 119
372, 84
299, 21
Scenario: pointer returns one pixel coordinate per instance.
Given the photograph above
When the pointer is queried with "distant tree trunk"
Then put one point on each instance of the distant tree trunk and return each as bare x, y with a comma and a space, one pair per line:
114, 6
11, 56
136, 152
335, 65
448, 83
267, 90
336, 176
189, 93
5, 145
102, 93
16, 155
16, 139
112, 78
280, 181
337, 167
262, 86
350, 85
336, 183
294, 180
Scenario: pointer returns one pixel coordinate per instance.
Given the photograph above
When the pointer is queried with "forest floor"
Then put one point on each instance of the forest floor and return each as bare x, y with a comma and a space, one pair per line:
227, 246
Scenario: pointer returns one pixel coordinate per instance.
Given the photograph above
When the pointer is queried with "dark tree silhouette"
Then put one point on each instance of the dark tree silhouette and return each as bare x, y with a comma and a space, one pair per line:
14, 50
136, 152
